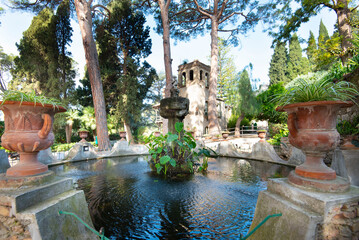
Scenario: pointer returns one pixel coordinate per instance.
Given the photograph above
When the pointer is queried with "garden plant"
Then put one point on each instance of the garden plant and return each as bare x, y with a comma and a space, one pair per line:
174, 154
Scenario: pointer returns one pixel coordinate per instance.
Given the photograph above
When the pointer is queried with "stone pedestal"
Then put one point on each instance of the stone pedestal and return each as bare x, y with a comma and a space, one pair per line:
264, 150
81, 151
45, 156
4, 161
345, 164
306, 215
32, 212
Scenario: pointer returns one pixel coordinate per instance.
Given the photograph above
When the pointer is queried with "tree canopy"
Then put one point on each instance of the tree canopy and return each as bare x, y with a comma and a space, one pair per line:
292, 20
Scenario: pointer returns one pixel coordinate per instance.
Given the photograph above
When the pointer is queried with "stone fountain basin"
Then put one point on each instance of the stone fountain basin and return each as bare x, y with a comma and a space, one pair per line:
174, 107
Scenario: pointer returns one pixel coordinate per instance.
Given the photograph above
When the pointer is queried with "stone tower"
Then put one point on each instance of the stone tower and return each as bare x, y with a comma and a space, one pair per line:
193, 81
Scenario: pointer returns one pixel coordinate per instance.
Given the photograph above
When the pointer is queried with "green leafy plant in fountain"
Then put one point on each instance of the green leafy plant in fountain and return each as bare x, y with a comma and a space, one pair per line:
175, 153
13, 95
316, 87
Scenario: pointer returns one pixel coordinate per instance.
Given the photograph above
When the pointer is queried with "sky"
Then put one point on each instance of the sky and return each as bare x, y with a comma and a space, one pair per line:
255, 47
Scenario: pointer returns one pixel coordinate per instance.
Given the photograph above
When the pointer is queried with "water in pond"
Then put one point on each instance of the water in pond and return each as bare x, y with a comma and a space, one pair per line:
131, 204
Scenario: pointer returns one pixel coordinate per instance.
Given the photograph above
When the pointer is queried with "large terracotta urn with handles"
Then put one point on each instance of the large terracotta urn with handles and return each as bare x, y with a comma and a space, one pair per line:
28, 129
312, 128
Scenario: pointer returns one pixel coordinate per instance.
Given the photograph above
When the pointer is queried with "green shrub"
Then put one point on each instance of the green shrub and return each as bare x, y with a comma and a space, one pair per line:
277, 131
232, 121
62, 147
346, 128
245, 122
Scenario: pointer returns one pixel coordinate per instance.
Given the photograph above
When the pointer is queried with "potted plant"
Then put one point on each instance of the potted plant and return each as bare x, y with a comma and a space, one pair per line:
312, 103
28, 129
225, 134
262, 134
83, 134
122, 134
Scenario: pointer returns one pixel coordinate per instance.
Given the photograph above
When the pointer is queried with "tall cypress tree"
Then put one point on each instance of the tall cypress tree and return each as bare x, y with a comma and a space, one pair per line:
243, 98
278, 64
297, 65
311, 49
328, 48
226, 70
44, 64
63, 38
36, 67
123, 40
323, 33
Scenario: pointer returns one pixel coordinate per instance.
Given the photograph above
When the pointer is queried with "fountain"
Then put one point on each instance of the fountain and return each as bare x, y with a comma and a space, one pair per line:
174, 108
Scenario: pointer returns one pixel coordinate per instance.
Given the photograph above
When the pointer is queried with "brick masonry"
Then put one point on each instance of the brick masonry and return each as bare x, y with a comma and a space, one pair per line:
342, 223
10, 227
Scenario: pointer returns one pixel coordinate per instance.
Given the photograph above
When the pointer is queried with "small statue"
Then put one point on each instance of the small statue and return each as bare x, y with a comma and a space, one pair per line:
174, 90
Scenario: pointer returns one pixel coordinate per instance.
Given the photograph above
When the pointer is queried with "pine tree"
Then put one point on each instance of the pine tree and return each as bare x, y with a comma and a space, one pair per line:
297, 65
278, 64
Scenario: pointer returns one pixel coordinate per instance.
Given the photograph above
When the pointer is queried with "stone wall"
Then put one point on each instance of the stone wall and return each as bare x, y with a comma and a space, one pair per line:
10, 227
344, 223
349, 114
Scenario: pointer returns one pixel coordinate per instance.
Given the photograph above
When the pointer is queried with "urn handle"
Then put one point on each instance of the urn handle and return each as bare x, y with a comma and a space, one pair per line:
292, 126
46, 128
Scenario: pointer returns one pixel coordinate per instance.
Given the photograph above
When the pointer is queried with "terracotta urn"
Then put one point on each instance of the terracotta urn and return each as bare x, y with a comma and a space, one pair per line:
157, 134
83, 135
28, 129
312, 128
262, 135
123, 135
347, 143
225, 135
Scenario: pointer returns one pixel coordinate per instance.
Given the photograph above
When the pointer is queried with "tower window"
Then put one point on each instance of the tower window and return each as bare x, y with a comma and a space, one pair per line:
207, 80
191, 75
183, 83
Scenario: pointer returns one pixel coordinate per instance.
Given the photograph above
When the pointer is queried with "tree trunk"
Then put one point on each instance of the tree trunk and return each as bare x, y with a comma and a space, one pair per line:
68, 134
83, 11
345, 30
164, 6
213, 125
128, 133
237, 132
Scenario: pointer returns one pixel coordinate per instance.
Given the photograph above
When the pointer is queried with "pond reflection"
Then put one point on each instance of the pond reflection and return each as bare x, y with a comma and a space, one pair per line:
131, 204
